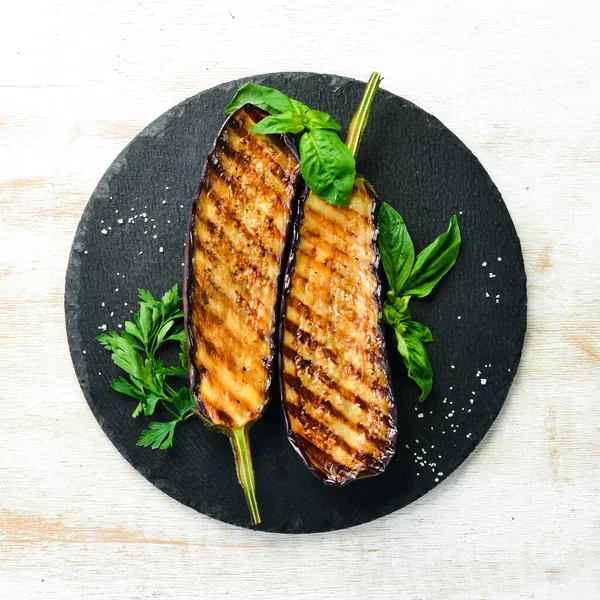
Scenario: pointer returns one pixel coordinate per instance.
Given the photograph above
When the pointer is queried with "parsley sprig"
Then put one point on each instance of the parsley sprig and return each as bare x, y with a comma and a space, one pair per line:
136, 349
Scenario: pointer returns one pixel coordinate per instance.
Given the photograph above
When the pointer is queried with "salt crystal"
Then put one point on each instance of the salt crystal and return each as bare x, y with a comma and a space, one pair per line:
483, 381
119, 221
161, 249
484, 264
104, 232
499, 258
492, 276
420, 415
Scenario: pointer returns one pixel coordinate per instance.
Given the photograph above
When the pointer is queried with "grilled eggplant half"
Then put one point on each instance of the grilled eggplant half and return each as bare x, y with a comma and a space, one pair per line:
335, 379
236, 244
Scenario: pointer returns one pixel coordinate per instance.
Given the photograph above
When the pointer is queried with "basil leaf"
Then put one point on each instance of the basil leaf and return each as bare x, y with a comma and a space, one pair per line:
416, 360
316, 119
434, 262
395, 246
285, 122
269, 99
395, 312
421, 331
327, 166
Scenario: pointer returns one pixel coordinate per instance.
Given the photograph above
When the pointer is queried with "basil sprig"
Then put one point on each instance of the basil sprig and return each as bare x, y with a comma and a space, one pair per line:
326, 163
410, 276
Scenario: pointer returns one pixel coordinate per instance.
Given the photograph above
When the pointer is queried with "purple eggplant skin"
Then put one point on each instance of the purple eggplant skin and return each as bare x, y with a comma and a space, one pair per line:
285, 145
315, 441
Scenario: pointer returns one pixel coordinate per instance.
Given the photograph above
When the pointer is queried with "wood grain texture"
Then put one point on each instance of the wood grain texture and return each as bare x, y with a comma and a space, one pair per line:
518, 83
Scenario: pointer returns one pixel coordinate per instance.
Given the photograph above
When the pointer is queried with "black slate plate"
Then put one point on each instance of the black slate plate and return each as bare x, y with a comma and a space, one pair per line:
132, 234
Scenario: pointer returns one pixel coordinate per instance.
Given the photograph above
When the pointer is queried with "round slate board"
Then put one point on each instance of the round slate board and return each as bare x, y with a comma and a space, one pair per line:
132, 234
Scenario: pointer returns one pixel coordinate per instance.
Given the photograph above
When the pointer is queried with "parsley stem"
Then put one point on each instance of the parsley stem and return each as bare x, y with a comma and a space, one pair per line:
243, 462
178, 417
361, 116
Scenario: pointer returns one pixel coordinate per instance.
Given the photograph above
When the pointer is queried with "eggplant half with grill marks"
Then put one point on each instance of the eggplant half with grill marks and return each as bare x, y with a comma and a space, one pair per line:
236, 245
335, 380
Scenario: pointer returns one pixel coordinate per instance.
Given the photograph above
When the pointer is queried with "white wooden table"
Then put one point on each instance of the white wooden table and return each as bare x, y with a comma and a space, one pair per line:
518, 82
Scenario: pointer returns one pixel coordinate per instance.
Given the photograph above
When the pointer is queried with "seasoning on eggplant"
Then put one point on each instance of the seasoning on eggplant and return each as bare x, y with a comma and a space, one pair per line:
335, 379
235, 245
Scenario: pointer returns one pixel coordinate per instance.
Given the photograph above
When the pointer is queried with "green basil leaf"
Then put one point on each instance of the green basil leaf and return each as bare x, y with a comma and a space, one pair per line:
327, 166
269, 99
421, 331
395, 247
416, 360
285, 122
316, 119
395, 312
434, 262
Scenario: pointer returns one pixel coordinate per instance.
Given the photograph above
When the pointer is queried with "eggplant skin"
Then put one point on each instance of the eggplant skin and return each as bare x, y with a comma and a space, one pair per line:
236, 243
334, 376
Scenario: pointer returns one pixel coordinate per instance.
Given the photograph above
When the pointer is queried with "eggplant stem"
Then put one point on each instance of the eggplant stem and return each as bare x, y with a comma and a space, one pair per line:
243, 462
361, 116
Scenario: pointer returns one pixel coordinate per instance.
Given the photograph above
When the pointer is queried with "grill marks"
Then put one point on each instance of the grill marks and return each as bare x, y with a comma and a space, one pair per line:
237, 240
335, 375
